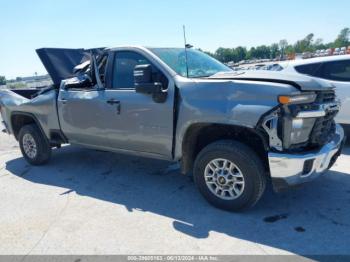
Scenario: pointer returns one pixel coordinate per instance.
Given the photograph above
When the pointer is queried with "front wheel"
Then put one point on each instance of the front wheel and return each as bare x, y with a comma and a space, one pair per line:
34, 146
229, 175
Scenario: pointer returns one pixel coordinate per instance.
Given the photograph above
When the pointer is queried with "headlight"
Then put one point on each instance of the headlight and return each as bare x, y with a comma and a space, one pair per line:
300, 130
297, 99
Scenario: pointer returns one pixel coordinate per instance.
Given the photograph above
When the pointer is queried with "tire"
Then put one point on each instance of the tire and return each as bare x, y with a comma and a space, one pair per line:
34, 146
244, 176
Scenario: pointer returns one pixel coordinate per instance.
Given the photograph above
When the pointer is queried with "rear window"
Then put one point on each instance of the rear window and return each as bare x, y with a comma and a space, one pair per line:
309, 69
336, 70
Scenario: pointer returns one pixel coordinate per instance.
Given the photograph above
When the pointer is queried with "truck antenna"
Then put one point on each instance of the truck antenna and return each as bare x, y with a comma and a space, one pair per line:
186, 46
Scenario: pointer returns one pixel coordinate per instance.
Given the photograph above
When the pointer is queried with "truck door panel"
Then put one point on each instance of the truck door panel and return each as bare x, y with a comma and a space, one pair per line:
141, 124
82, 117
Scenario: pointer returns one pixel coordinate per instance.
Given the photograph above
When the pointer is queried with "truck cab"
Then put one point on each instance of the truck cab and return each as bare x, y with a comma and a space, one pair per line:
118, 116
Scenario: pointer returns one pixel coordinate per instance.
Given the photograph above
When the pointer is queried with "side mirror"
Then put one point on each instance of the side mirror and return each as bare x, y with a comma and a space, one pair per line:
144, 83
143, 74
143, 80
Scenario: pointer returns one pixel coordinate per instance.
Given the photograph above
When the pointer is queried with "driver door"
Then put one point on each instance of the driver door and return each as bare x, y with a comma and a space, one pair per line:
135, 121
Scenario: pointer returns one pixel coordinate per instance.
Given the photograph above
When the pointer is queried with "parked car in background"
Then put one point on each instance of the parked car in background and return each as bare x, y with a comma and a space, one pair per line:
336, 51
334, 69
342, 51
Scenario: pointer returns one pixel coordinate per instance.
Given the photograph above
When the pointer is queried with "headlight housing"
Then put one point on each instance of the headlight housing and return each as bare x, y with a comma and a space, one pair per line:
300, 130
297, 99
303, 119
296, 130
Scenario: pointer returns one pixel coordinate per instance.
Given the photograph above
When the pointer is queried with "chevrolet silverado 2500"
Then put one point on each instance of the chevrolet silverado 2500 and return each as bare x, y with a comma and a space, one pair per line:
233, 132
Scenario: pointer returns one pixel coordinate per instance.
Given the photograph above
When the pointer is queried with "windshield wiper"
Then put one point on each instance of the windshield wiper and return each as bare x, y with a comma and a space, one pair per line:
204, 76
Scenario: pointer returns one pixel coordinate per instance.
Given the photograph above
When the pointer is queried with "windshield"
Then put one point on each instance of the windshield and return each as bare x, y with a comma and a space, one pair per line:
199, 63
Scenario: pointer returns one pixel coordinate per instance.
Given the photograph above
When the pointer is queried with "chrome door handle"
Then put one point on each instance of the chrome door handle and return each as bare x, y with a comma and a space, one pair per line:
114, 102
64, 101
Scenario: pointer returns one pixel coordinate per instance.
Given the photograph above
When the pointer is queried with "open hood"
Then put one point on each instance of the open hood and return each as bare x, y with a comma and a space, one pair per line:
60, 62
302, 82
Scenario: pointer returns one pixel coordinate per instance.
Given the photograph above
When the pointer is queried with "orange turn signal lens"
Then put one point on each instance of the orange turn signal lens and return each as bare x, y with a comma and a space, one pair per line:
297, 99
284, 100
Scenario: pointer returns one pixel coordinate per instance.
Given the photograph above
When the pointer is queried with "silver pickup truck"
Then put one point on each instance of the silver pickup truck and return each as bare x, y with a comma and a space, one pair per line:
233, 132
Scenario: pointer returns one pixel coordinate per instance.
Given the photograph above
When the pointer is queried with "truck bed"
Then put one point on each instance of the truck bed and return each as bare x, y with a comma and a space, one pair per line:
27, 93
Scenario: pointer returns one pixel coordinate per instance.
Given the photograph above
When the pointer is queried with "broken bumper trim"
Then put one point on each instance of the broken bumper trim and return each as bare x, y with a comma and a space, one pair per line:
293, 169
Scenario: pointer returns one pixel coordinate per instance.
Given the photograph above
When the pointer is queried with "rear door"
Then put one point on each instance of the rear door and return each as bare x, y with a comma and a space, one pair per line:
82, 115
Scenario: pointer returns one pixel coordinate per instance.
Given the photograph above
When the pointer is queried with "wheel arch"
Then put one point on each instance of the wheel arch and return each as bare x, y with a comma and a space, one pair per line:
199, 135
20, 119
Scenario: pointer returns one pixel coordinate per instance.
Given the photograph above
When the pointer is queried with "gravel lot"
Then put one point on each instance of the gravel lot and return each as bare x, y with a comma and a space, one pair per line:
90, 202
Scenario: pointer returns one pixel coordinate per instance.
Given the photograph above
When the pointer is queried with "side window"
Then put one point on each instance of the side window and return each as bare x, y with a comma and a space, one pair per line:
336, 70
309, 69
123, 69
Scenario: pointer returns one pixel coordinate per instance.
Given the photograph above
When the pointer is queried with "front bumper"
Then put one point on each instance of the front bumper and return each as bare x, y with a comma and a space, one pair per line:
293, 169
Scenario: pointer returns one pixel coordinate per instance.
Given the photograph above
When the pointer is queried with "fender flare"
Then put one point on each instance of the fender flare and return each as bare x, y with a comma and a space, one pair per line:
18, 113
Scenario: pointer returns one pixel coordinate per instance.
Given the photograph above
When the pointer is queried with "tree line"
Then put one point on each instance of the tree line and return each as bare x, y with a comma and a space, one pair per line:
307, 44
275, 50
2, 80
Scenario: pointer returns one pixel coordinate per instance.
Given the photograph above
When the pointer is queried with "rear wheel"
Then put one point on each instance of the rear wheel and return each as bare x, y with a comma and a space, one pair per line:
34, 146
229, 175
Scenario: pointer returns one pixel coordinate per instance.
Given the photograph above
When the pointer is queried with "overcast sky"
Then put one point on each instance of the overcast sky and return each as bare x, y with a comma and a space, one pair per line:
27, 25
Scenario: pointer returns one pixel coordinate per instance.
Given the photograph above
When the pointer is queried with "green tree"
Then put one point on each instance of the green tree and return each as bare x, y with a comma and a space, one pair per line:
264, 51
305, 44
289, 50
260, 52
240, 53
274, 51
308, 39
343, 38
2, 80
251, 53
224, 54
318, 44
282, 45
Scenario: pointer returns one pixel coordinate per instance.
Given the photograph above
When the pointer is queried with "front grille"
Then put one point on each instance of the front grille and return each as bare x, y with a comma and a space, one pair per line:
323, 129
325, 97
